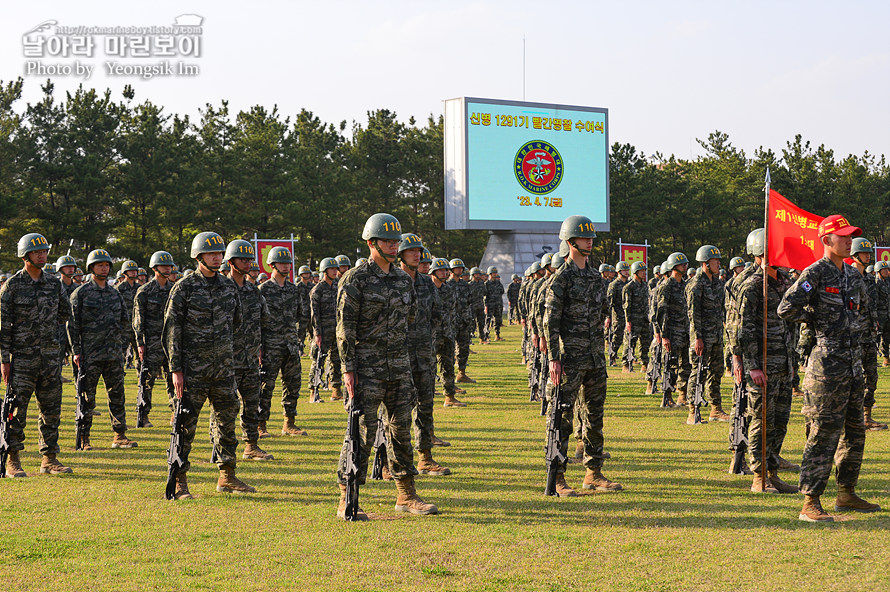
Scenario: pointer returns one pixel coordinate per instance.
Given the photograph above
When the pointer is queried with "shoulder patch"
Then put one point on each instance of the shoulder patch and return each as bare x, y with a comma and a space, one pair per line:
806, 286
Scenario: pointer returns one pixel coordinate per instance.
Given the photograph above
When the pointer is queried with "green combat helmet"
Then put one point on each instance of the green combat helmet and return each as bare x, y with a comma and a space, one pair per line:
748, 264
207, 242
381, 226
736, 262
78, 272
861, 245
622, 266
409, 240
604, 267
97, 256
254, 266
65, 261
577, 227
241, 249
475, 271
438, 264
706, 253
528, 271
557, 261
492, 269
32, 241
545, 260
754, 243
515, 276
49, 268
361, 261
870, 269
160, 258
225, 267
130, 265
343, 261
304, 269
881, 265
676, 259
564, 249
656, 270
454, 263
664, 268
426, 256
536, 267
279, 255
638, 266
326, 264
141, 272
690, 272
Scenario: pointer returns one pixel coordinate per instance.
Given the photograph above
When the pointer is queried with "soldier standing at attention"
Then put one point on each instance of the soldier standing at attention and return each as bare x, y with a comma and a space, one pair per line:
343, 264
575, 313
615, 324
247, 345
375, 305
148, 322
882, 281
32, 305
444, 336
305, 286
656, 277
323, 305
494, 302
463, 314
66, 267
635, 303
704, 299
827, 296
127, 287
673, 326
477, 301
203, 314
98, 327
288, 320
513, 298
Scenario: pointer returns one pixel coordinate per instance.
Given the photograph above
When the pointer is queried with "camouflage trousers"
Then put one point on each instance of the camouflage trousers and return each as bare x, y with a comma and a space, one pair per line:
445, 359
712, 372
836, 431
333, 358
778, 412
512, 313
397, 398
679, 368
494, 320
884, 347
289, 365
425, 390
616, 336
112, 374
45, 382
462, 341
479, 322
155, 369
582, 392
220, 392
870, 371
642, 333
247, 384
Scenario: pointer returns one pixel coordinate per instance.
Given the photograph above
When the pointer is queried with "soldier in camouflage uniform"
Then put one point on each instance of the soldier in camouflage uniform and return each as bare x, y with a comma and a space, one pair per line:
635, 304
736, 266
656, 278
202, 317
576, 308
705, 302
288, 321
421, 334
148, 324
537, 298
477, 302
772, 374
463, 319
828, 296
376, 304
31, 307
494, 302
305, 285
66, 267
343, 264
97, 330
323, 307
882, 281
861, 252
444, 337
127, 287
615, 323
672, 318
247, 348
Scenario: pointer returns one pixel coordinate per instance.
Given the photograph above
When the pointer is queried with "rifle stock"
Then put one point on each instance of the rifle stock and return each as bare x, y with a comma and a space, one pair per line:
380, 458
141, 404
176, 457
554, 458
353, 446
10, 402
80, 417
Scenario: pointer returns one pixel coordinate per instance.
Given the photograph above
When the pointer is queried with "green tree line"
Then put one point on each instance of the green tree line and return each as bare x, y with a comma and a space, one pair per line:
91, 170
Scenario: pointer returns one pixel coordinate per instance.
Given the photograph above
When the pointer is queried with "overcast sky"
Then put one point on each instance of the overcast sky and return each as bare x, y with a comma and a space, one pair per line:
668, 72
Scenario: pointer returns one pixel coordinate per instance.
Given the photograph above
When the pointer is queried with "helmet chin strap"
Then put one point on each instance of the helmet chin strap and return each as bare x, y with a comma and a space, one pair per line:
205, 264
388, 258
580, 250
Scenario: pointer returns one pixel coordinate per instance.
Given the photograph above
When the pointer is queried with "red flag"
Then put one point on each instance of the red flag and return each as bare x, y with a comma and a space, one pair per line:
793, 234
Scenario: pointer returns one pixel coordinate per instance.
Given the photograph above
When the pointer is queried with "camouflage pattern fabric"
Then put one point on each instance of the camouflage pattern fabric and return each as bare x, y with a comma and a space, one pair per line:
148, 328
288, 322
128, 291
672, 318
463, 321
869, 323
99, 323
323, 306
513, 301
616, 311
635, 303
112, 373
494, 303
248, 341
445, 339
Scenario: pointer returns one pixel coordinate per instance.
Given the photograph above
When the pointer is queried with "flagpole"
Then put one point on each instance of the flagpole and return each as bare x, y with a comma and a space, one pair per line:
765, 313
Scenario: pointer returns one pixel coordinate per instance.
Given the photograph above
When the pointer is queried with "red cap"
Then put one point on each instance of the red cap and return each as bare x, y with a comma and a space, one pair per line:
838, 225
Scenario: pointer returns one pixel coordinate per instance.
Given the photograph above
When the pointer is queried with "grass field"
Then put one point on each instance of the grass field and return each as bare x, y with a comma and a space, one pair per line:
683, 523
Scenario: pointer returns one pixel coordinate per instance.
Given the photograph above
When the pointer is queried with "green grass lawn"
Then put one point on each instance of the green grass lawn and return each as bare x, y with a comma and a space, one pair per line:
682, 522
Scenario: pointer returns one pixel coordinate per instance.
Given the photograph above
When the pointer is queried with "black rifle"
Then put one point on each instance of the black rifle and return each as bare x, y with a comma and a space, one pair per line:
10, 403
379, 450
353, 444
534, 384
698, 392
212, 428
317, 378
554, 458
176, 457
80, 412
654, 372
668, 379
486, 327
542, 382
141, 404
738, 435
524, 344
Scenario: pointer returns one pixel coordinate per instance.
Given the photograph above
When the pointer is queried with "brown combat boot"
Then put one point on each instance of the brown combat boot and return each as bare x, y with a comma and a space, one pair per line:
681, 399
594, 479
121, 441
451, 401
263, 432
182, 488
717, 414
462, 377
757, 486
848, 501
690, 419
360, 515
254, 452
649, 387
812, 511
148, 423
408, 500
870, 424
336, 394
85, 442
787, 465
385, 474
229, 483
459, 391
781, 486
51, 466
428, 466
290, 428
562, 488
579, 453
795, 392
437, 441
886, 362
14, 465
626, 369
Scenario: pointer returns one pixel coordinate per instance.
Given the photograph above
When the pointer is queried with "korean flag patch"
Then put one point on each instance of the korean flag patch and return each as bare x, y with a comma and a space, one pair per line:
806, 286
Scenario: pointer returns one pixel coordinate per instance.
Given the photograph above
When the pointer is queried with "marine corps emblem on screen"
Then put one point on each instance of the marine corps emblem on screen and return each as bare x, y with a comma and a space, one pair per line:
538, 167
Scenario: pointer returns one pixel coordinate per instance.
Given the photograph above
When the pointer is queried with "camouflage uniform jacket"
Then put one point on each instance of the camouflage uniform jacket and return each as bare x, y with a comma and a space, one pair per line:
827, 299
129, 293
653, 303
635, 302
30, 313
779, 334
323, 307
672, 317
374, 310
67, 290
288, 319
446, 298
99, 322
248, 337
868, 312
522, 299
305, 289
733, 301
539, 304
532, 312
201, 319
513, 292
616, 306
148, 319
883, 304
576, 310
705, 301
477, 295
463, 312
653, 283
427, 321
494, 295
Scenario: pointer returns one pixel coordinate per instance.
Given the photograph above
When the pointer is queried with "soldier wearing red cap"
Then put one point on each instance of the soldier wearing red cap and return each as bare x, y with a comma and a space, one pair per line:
828, 296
